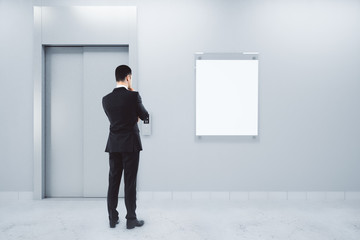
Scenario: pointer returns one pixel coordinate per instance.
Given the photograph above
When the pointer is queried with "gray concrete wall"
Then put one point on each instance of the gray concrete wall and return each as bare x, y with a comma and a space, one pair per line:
16, 95
309, 104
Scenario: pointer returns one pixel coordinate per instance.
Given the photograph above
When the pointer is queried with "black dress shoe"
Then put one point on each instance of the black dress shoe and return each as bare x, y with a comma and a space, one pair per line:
130, 224
113, 223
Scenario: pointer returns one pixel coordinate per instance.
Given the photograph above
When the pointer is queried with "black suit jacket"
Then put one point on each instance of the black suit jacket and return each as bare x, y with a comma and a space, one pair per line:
123, 108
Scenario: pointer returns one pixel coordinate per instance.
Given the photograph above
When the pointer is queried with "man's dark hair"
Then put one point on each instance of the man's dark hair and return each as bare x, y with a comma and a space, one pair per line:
121, 72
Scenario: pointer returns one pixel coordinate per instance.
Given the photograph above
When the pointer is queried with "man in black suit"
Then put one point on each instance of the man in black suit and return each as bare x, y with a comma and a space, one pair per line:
123, 108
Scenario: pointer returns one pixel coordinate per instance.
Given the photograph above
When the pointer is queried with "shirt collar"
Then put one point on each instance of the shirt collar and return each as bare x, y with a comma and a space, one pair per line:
121, 85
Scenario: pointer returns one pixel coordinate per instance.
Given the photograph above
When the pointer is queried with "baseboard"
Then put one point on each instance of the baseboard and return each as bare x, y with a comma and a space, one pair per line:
251, 195
218, 195
16, 195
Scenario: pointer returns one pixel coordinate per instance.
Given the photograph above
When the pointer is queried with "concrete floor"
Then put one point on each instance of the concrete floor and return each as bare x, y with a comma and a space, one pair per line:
186, 220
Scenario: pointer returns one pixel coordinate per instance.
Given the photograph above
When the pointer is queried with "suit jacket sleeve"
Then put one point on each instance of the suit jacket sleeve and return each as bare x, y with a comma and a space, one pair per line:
103, 104
140, 109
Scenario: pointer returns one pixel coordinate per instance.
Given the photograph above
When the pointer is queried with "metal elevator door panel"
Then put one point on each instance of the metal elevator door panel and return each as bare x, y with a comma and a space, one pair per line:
76, 127
99, 80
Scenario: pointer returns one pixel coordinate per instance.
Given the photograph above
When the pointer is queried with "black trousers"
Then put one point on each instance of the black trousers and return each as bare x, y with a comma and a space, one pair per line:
129, 163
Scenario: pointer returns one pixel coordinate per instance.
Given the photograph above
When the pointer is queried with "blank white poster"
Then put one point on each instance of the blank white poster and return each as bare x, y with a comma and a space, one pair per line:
226, 97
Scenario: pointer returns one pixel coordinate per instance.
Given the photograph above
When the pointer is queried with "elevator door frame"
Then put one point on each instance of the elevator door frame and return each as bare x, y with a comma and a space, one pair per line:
46, 34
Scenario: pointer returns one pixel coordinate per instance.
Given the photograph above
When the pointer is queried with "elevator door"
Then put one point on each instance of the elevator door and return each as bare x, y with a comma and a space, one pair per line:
76, 79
